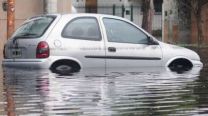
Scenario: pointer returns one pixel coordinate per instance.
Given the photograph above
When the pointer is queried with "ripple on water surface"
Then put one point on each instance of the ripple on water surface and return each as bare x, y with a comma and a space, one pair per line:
149, 91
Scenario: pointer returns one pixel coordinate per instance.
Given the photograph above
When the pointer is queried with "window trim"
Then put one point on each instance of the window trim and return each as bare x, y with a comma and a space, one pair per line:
82, 38
127, 23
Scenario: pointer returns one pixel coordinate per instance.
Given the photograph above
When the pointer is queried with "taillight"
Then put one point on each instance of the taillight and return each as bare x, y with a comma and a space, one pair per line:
42, 50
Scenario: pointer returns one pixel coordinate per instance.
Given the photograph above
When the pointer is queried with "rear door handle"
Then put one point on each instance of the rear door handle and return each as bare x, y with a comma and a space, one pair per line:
111, 49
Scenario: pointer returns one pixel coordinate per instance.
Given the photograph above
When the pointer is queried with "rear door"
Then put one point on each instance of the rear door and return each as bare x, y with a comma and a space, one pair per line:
24, 41
128, 46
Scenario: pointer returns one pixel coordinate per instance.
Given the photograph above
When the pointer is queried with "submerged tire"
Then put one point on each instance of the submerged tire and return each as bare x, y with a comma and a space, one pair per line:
65, 67
180, 65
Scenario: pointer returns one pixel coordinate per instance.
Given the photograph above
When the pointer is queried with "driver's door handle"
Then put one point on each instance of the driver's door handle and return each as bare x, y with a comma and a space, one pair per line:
111, 49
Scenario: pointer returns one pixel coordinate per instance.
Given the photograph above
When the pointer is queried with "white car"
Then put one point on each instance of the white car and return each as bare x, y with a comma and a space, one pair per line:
73, 42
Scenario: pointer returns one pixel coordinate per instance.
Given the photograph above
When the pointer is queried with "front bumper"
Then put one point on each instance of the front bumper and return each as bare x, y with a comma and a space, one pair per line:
197, 63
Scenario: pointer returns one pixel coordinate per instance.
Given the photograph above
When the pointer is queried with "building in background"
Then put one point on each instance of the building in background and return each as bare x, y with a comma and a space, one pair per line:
130, 9
27, 8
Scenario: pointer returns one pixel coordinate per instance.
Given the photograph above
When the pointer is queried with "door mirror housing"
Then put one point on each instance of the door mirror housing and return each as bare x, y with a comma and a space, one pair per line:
151, 41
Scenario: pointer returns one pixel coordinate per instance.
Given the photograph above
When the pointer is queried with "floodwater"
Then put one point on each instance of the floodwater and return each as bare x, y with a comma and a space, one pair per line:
132, 92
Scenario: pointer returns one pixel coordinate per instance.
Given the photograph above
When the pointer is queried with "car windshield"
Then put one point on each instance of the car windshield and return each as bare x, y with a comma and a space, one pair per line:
34, 28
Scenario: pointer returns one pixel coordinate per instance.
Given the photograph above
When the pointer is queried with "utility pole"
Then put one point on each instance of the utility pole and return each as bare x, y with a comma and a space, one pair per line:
10, 17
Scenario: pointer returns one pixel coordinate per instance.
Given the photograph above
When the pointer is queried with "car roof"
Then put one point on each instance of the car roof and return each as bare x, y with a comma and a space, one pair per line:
86, 14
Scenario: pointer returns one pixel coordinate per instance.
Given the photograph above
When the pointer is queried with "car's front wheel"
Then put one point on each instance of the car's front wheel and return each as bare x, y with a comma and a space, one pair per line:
180, 65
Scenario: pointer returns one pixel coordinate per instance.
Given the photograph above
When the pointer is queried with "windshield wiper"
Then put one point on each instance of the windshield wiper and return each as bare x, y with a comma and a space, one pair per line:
24, 35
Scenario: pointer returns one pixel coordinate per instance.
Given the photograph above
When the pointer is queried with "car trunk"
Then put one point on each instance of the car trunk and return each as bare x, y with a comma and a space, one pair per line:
21, 49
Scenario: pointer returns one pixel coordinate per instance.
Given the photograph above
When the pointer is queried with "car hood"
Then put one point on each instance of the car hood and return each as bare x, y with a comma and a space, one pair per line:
177, 51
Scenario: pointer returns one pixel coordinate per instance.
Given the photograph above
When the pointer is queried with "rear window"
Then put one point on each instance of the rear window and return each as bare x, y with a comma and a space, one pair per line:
34, 28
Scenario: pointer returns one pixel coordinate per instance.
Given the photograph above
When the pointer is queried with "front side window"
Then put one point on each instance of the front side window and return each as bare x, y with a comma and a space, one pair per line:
86, 28
34, 28
123, 32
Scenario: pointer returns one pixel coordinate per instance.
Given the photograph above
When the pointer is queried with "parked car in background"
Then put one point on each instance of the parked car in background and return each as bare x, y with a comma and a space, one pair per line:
73, 42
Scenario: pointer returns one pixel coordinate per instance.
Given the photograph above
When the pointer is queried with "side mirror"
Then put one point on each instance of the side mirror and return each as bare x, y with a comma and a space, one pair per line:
152, 41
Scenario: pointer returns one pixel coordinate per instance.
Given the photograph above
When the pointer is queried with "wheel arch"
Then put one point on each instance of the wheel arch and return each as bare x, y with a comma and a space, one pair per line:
66, 60
178, 58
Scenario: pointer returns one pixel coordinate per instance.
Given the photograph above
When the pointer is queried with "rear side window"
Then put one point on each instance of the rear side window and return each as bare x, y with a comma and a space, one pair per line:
85, 28
34, 28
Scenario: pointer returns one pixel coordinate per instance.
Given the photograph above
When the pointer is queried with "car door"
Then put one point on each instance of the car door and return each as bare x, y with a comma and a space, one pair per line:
82, 40
129, 46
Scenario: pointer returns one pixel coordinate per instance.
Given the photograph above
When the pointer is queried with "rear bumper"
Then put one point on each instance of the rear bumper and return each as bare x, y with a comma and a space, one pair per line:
26, 63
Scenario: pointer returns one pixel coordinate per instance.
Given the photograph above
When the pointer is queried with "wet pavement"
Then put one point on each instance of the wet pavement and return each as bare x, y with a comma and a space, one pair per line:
113, 92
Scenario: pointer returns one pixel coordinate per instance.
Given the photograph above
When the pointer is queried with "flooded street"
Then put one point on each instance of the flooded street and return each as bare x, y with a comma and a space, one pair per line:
148, 91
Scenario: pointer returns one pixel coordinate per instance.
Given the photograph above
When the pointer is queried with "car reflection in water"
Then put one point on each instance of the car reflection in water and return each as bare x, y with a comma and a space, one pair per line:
145, 91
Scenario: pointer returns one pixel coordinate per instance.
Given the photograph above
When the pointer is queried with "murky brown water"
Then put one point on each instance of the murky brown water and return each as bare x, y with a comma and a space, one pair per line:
132, 92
